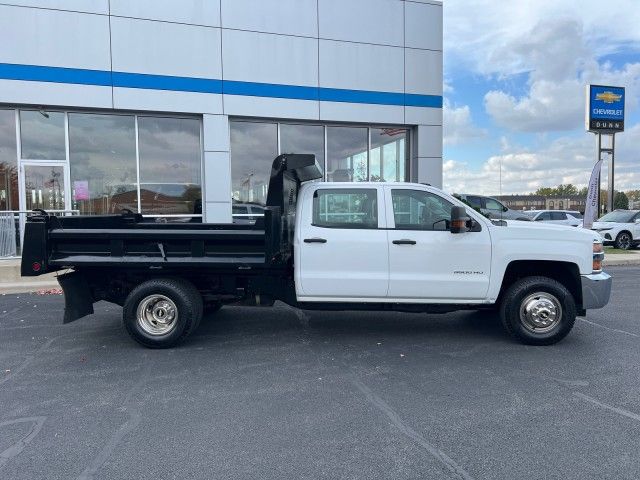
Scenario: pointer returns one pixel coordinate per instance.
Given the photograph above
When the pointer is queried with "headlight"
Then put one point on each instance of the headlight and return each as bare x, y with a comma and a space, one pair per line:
598, 256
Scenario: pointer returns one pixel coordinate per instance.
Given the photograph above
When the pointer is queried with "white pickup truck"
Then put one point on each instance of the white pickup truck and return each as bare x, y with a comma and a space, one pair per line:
325, 246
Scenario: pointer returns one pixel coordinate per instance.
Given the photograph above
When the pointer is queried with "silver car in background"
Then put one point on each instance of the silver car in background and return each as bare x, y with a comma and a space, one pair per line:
571, 218
492, 208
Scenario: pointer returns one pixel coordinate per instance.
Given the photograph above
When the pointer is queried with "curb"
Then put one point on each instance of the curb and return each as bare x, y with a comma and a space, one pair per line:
622, 262
27, 287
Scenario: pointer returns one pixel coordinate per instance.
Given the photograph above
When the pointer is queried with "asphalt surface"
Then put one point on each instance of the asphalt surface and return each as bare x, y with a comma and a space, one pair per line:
282, 394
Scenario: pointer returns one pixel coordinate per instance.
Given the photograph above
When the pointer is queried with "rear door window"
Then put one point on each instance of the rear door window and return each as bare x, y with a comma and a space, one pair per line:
345, 208
558, 216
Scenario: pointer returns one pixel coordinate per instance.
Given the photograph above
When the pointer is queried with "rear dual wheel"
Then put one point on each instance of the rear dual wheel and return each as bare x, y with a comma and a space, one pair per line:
161, 312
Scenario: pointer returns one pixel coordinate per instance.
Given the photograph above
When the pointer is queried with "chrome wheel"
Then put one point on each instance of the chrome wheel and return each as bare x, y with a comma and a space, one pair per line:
540, 312
157, 315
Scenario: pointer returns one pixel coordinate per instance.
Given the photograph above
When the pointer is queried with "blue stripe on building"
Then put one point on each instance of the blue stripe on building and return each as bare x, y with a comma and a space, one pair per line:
79, 76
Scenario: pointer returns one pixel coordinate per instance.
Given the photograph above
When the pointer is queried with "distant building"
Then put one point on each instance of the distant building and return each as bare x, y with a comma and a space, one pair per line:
540, 202
523, 202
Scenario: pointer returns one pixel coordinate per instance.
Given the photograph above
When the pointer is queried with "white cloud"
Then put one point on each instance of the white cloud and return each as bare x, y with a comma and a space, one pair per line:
458, 127
497, 38
556, 45
566, 160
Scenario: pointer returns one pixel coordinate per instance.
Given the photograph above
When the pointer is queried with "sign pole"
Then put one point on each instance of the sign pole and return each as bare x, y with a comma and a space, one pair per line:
598, 158
610, 199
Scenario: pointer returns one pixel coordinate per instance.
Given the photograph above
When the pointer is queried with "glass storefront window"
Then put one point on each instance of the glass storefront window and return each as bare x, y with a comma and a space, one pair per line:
8, 161
347, 159
347, 153
42, 135
303, 139
170, 166
253, 148
102, 156
388, 154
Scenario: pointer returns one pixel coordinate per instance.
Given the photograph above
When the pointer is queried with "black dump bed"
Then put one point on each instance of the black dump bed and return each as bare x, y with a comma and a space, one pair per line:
124, 241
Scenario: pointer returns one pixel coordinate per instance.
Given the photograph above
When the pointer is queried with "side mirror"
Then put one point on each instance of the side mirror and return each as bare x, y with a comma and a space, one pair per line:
459, 220
637, 220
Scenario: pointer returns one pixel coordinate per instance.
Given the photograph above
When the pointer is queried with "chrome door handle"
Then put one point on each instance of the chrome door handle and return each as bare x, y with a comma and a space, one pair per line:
404, 241
315, 240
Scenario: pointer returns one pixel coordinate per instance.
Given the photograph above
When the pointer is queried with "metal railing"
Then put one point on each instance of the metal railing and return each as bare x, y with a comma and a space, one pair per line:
11, 224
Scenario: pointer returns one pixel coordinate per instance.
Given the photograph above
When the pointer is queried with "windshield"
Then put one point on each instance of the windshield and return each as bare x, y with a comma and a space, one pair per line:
618, 216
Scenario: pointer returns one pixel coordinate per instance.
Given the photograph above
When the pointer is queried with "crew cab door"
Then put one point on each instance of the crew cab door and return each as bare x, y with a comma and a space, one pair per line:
341, 251
427, 263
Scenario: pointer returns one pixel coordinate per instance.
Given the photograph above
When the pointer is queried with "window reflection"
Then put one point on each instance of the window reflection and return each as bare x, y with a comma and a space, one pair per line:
388, 154
44, 187
102, 154
170, 150
171, 199
8, 161
42, 135
303, 139
347, 154
170, 164
253, 148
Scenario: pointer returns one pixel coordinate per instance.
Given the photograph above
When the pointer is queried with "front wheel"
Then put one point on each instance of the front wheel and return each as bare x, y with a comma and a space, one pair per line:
538, 311
624, 241
160, 313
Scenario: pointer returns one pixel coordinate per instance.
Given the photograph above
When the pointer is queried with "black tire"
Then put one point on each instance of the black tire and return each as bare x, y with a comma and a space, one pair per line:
624, 241
184, 301
552, 295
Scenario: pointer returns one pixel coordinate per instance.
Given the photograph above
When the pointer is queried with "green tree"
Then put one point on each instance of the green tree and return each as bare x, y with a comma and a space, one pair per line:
545, 191
559, 191
568, 189
620, 200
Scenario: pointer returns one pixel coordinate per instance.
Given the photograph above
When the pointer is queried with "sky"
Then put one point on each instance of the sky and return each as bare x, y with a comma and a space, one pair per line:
514, 92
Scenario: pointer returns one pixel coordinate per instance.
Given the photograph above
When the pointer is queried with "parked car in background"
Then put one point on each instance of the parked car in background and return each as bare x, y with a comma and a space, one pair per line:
558, 217
620, 228
491, 207
246, 213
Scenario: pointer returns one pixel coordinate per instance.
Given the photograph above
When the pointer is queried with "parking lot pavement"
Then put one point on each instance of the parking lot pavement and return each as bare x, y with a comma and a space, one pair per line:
278, 393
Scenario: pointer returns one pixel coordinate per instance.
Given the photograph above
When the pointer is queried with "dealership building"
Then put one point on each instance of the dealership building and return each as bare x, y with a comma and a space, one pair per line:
177, 108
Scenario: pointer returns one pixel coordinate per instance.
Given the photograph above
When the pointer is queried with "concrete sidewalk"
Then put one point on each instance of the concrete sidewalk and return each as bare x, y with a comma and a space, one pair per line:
631, 257
12, 282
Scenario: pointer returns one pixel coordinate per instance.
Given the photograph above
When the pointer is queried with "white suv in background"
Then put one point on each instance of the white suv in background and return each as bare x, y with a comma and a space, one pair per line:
558, 217
620, 228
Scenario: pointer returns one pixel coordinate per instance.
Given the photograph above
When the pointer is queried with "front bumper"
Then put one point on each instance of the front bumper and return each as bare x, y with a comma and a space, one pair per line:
596, 290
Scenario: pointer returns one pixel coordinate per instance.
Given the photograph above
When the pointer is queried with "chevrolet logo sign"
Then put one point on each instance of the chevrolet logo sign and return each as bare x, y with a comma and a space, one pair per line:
608, 97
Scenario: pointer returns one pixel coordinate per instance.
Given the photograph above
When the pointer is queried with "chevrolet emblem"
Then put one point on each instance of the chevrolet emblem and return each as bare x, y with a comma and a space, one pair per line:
608, 97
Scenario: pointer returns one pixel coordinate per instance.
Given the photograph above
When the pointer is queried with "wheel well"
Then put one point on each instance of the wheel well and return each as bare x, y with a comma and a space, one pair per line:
566, 273
624, 231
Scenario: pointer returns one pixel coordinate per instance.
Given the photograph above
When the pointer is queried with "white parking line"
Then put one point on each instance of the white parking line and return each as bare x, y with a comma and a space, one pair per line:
456, 470
619, 411
609, 328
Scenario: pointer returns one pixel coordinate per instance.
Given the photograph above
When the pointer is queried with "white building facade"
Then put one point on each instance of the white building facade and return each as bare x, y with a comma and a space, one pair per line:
177, 108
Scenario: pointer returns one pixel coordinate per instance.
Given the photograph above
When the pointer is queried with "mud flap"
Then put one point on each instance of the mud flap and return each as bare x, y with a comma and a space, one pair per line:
78, 300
